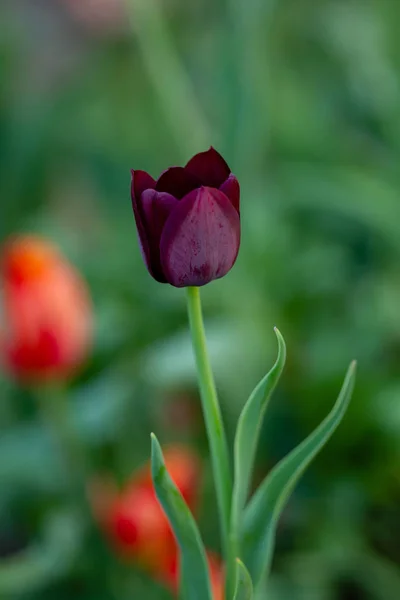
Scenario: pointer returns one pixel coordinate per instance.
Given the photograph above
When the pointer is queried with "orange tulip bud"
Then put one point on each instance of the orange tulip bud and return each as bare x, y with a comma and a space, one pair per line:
217, 576
139, 528
168, 574
135, 522
184, 468
47, 315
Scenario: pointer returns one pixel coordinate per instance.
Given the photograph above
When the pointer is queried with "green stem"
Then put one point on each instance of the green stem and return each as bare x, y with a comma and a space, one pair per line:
212, 417
167, 74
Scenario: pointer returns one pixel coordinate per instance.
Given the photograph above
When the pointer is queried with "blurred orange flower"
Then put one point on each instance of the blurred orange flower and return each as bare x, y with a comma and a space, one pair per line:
168, 574
47, 314
184, 468
139, 529
133, 519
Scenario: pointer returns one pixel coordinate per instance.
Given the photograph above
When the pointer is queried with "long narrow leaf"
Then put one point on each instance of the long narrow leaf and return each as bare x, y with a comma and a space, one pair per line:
194, 569
244, 585
248, 430
264, 509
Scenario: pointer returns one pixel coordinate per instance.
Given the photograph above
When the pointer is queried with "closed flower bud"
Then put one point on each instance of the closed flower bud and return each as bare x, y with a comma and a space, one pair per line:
139, 529
46, 317
184, 468
168, 574
136, 523
188, 221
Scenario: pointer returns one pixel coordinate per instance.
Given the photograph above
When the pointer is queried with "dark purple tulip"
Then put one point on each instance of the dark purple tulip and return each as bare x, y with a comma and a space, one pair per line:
188, 220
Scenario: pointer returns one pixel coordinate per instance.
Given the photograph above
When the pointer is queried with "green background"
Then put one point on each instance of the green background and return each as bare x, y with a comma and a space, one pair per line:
302, 97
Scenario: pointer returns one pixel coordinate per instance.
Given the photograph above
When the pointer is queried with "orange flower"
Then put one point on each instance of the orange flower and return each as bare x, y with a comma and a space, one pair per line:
184, 468
217, 576
134, 520
47, 312
168, 574
139, 529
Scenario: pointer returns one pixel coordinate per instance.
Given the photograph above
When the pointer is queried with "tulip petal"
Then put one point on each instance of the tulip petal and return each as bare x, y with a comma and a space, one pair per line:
155, 209
209, 167
142, 236
141, 181
177, 181
231, 188
201, 239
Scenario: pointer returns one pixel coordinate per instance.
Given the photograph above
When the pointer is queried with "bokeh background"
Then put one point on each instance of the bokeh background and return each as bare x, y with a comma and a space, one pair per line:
302, 98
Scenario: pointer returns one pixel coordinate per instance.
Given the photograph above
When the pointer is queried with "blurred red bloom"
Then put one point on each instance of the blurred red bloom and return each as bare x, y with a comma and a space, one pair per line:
139, 529
133, 518
168, 574
183, 466
47, 314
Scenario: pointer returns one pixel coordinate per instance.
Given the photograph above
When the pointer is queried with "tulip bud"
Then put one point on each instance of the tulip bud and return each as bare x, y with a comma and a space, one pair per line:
188, 220
136, 523
184, 468
216, 575
168, 574
47, 315
139, 529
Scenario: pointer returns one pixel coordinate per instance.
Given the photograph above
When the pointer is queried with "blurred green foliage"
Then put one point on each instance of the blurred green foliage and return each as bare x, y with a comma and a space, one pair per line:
302, 98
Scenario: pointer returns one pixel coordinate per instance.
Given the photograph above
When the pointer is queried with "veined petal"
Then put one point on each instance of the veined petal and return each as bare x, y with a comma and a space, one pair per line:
231, 188
201, 239
209, 167
177, 181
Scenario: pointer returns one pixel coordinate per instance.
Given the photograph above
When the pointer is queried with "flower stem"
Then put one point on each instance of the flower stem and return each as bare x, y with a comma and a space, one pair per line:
213, 419
168, 75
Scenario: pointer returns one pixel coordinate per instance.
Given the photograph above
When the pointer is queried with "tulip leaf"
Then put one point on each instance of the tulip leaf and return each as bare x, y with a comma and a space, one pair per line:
263, 511
195, 580
248, 431
244, 585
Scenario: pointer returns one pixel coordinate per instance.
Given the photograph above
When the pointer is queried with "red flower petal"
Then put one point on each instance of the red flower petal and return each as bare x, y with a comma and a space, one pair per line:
177, 181
209, 167
155, 209
231, 188
201, 239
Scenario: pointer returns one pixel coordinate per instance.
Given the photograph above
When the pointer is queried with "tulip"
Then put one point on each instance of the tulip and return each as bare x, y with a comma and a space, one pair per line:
168, 574
134, 520
46, 312
139, 529
184, 468
188, 221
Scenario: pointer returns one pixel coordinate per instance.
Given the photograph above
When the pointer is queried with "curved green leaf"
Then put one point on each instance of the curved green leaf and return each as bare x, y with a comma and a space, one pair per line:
248, 430
244, 585
194, 568
264, 509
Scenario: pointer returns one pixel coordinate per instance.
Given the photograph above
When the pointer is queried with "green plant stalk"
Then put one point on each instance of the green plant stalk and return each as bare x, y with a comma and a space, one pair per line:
214, 426
167, 74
